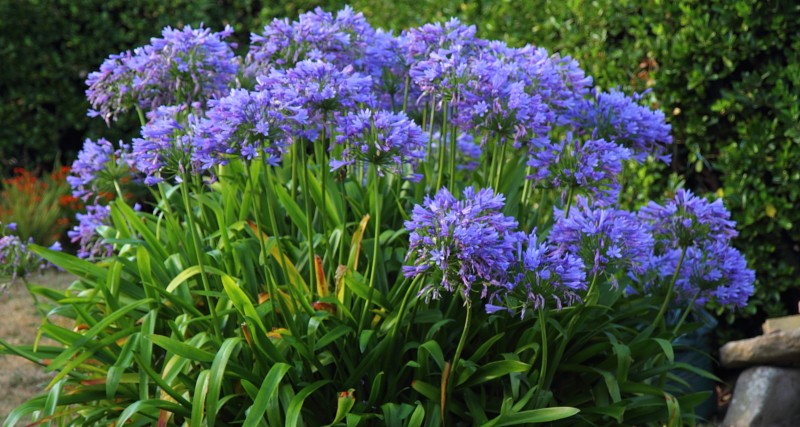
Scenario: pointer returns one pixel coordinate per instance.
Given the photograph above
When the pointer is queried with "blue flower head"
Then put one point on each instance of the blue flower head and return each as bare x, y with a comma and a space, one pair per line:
467, 245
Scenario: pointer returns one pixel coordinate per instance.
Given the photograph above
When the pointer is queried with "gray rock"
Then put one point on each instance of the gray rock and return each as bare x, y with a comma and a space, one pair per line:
777, 348
765, 396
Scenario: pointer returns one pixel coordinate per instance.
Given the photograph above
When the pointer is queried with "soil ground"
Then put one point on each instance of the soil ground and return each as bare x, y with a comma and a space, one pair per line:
21, 379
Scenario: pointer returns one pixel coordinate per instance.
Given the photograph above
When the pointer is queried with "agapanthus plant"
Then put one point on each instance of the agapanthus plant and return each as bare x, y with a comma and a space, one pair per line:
347, 236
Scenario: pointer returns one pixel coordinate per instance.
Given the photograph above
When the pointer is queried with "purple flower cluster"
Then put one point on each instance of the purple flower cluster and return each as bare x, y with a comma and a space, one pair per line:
15, 258
469, 243
710, 269
590, 166
165, 148
91, 244
247, 125
388, 140
320, 88
617, 117
711, 272
543, 273
184, 66
317, 35
607, 240
688, 220
98, 165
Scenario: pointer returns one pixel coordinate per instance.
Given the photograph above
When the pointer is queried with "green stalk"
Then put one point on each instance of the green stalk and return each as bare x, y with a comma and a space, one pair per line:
405, 92
309, 219
140, 113
403, 304
442, 147
685, 314
453, 150
199, 254
570, 194
274, 224
544, 368
375, 246
273, 294
670, 291
500, 167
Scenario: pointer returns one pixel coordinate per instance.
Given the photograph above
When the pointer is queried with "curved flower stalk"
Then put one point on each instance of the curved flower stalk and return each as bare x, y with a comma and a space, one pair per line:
468, 243
185, 66
390, 141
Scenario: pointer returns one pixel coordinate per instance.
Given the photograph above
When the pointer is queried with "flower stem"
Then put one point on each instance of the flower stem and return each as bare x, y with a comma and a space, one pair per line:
442, 148
543, 369
199, 254
461, 341
373, 175
670, 291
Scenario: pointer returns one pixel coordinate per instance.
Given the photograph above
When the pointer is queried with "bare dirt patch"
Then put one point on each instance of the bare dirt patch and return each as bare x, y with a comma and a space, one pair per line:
21, 379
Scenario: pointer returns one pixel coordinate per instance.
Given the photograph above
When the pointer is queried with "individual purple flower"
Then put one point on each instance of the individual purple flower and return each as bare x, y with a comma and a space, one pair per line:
321, 89
713, 272
619, 118
468, 243
591, 167
543, 273
391, 141
606, 239
245, 124
97, 167
85, 233
185, 66
12, 226
688, 220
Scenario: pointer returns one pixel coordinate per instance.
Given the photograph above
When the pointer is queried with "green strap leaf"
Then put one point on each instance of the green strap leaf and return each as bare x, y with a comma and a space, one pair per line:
269, 389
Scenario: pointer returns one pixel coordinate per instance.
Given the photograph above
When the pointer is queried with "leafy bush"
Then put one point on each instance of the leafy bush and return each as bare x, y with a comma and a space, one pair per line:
377, 230
42, 207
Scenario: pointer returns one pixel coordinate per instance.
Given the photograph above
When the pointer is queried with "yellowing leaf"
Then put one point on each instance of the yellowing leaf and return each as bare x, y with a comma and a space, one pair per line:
771, 210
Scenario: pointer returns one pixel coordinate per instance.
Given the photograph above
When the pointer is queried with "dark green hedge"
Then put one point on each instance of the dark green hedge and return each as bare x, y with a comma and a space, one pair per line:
49, 46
